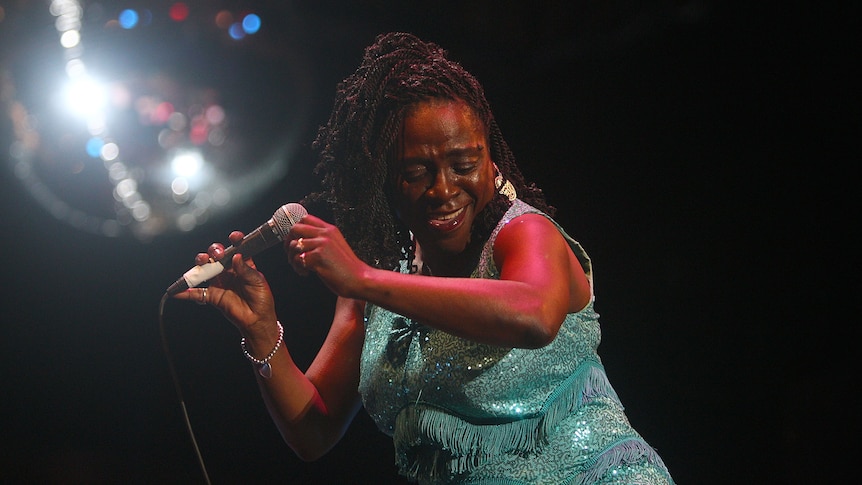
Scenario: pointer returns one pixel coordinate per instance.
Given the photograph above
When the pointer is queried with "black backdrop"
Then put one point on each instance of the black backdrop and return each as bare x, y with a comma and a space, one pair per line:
698, 150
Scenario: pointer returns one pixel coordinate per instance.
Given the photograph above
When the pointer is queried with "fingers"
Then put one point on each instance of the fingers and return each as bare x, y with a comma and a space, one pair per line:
236, 236
215, 251
297, 251
302, 232
244, 268
300, 245
201, 296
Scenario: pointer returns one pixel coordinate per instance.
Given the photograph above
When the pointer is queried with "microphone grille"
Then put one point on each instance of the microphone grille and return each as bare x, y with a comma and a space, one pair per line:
286, 216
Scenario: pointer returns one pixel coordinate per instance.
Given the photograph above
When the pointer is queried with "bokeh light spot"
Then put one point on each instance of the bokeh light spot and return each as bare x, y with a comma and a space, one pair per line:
223, 19
126, 188
117, 171
251, 23
199, 131
177, 121
110, 151
162, 113
140, 210
215, 114
216, 137
146, 17
179, 12
186, 222
236, 31
180, 186
70, 38
94, 146
128, 18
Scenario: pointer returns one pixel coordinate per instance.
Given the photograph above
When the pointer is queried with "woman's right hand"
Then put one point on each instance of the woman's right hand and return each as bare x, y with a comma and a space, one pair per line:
241, 292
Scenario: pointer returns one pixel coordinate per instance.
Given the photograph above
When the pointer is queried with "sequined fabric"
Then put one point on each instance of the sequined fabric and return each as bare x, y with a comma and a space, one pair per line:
469, 413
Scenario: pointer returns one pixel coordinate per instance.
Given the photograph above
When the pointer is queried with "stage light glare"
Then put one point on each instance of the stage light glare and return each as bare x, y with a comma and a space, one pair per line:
187, 164
85, 97
120, 124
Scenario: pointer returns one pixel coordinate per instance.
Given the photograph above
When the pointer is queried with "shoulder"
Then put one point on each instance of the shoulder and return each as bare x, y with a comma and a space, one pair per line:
526, 223
528, 232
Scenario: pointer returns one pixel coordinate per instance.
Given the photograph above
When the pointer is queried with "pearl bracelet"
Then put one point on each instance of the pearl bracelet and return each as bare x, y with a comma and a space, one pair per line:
264, 369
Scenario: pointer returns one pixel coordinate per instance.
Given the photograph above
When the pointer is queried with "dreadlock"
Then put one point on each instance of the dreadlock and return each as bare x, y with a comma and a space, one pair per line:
356, 146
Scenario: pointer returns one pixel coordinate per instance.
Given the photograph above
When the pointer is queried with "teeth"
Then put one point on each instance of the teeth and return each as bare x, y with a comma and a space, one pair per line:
449, 216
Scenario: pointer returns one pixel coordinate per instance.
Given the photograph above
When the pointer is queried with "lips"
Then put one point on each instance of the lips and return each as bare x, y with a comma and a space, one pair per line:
448, 222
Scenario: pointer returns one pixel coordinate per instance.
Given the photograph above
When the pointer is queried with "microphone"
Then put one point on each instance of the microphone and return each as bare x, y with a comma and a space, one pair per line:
267, 235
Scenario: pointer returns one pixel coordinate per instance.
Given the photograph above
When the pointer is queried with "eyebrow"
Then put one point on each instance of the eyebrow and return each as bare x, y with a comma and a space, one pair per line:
452, 152
463, 150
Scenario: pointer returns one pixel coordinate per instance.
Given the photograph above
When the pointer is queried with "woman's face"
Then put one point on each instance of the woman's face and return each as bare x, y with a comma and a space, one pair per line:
445, 175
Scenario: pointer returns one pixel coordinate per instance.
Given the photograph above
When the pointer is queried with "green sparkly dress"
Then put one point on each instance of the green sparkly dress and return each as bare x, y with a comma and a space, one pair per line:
470, 413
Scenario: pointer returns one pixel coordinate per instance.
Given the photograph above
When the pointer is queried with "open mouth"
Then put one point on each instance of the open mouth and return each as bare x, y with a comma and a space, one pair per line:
448, 222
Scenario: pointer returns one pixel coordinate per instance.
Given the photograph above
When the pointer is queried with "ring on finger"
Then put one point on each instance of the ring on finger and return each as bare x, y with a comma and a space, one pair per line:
300, 246
302, 259
203, 300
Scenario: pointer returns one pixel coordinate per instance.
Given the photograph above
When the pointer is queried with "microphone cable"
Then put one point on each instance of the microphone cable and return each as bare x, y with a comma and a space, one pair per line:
178, 389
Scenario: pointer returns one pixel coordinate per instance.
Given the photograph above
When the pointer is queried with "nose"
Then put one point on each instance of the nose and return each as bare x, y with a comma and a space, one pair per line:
442, 186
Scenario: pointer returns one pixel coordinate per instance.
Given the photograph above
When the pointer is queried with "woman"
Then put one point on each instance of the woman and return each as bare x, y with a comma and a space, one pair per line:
464, 322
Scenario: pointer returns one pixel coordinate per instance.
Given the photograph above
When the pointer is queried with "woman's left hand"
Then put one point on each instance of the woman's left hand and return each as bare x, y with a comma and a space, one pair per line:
319, 247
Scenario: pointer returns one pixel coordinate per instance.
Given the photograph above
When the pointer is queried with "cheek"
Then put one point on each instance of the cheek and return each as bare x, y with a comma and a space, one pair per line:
408, 193
485, 184
405, 198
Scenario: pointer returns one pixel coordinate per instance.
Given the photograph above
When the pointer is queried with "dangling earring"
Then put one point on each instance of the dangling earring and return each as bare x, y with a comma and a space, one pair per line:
504, 186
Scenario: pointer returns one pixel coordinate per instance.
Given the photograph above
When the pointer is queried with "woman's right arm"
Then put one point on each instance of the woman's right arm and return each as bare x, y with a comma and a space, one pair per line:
311, 409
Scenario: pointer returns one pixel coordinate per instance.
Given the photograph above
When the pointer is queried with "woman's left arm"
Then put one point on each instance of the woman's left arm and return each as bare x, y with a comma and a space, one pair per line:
540, 282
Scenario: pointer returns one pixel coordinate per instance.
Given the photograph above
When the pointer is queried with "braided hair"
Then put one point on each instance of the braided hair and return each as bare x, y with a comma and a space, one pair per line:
356, 147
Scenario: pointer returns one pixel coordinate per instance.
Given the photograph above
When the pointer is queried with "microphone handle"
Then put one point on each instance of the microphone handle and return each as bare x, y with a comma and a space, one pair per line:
256, 241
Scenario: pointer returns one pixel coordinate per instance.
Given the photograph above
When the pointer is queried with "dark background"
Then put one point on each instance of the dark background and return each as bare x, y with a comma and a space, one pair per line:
701, 151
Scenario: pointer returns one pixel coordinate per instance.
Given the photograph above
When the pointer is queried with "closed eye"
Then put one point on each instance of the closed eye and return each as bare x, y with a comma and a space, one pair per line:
414, 173
465, 168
